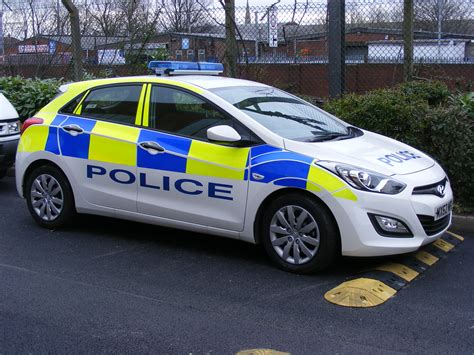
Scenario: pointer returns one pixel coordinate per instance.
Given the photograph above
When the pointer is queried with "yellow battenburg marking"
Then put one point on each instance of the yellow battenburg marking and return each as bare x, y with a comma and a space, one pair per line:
324, 179
113, 143
227, 162
426, 257
400, 270
456, 236
146, 107
360, 293
34, 139
138, 117
345, 193
443, 245
261, 352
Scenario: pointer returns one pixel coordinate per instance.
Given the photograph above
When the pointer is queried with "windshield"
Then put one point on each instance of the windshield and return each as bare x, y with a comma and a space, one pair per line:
283, 114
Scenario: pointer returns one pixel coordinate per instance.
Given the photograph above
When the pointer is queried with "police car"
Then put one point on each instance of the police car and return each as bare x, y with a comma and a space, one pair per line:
232, 158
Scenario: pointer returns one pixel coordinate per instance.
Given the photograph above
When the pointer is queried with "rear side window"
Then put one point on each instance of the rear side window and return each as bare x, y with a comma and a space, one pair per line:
113, 103
71, 106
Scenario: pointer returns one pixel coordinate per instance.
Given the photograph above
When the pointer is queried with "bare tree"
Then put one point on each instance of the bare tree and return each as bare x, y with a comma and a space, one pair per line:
454, 15
184, 15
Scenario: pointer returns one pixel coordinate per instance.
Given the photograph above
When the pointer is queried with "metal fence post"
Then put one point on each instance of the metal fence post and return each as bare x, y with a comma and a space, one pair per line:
336, 44
408, 39
76, 38
230, 40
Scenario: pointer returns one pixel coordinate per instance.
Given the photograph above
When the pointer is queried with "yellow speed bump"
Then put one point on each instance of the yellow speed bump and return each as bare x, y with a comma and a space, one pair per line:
400, 270
385, 280
261, 352
456, 236
426, 257
360, 292
443, 245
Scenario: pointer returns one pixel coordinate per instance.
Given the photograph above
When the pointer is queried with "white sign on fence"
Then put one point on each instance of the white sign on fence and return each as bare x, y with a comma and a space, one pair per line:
272, 27
31, 48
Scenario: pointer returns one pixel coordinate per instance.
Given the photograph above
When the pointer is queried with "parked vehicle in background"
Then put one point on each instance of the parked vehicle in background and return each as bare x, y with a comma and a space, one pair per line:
9, 134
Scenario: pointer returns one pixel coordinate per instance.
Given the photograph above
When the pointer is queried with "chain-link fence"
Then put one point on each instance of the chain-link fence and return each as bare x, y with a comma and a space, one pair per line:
283, 45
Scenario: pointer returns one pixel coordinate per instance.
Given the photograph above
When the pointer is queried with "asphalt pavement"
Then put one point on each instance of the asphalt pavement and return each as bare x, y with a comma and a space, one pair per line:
109, 286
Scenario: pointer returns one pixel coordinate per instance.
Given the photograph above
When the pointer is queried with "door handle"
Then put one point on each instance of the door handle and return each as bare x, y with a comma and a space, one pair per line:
73, 129
152, 147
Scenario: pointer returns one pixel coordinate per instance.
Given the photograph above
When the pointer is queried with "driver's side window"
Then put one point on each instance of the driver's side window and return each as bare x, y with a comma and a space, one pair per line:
176, 111
114, 103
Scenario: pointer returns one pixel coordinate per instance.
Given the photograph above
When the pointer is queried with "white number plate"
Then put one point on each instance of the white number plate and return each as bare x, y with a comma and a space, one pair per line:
443, 210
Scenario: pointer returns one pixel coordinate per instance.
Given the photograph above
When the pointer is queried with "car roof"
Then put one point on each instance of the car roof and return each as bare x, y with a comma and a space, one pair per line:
206, 82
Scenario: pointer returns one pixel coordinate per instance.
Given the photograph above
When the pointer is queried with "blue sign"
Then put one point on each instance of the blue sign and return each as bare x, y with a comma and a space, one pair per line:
52, 47
185, 43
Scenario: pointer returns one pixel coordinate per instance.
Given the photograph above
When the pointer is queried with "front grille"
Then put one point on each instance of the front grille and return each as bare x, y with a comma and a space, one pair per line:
431, 226
431, 189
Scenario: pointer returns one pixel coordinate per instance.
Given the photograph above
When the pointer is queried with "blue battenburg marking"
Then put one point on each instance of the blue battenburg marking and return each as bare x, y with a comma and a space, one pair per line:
291, 183
58, 119
78, 146
274, 170
262, 149
164, 161
246, 174
285, 155
52, 141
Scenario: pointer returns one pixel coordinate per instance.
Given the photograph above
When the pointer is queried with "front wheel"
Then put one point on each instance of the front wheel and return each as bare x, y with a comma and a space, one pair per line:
49, 197
299, 234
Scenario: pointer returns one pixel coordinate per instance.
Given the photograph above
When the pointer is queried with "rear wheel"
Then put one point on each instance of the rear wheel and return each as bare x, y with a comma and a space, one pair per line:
49, 197
299, 234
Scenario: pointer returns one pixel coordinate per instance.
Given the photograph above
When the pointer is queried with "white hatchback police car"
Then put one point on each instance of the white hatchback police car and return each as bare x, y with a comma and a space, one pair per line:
232, 158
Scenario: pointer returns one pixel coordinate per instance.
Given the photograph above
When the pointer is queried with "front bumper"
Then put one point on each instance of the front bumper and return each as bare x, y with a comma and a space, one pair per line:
358, 235
8, 147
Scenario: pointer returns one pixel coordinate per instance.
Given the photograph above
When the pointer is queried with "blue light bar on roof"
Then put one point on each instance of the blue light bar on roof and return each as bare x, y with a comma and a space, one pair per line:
182, 68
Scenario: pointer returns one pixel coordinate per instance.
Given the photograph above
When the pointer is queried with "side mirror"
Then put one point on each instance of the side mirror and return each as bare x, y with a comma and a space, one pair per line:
223, 134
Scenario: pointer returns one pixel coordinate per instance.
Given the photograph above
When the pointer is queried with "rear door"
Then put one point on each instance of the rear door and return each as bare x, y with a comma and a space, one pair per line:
99, 144
182, 176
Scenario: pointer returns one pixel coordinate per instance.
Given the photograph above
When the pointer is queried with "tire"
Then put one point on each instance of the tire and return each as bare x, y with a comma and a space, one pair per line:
45, 187
305, 244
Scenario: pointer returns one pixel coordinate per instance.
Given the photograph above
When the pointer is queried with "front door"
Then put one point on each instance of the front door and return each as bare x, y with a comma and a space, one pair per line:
181, 175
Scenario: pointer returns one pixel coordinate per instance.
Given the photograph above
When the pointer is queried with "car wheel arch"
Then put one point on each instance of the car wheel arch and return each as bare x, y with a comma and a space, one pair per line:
39, 163
281, 192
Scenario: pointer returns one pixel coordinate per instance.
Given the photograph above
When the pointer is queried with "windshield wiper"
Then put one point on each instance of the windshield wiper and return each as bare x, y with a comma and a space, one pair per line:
351, 132
328, 137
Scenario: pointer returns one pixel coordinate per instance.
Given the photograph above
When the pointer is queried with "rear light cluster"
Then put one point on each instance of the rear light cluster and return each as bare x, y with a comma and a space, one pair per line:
30, 122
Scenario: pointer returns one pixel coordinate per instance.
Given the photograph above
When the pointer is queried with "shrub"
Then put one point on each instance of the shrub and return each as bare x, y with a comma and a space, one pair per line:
28, 95
424, 115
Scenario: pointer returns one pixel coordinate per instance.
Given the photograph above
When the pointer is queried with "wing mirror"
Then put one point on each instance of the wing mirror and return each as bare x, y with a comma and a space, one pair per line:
223, 134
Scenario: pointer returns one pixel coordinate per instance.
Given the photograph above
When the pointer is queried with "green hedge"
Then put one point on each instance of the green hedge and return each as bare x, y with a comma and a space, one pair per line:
28, 95
424, 115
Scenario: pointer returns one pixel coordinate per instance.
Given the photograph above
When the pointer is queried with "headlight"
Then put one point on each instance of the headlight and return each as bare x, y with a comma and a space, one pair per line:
14, 127
365, 180
9, 128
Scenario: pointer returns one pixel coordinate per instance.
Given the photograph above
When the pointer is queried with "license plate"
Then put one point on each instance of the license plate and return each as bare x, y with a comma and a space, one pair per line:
443, 210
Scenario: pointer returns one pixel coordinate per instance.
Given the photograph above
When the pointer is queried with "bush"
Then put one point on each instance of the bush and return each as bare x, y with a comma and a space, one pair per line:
424, 115
28, 96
